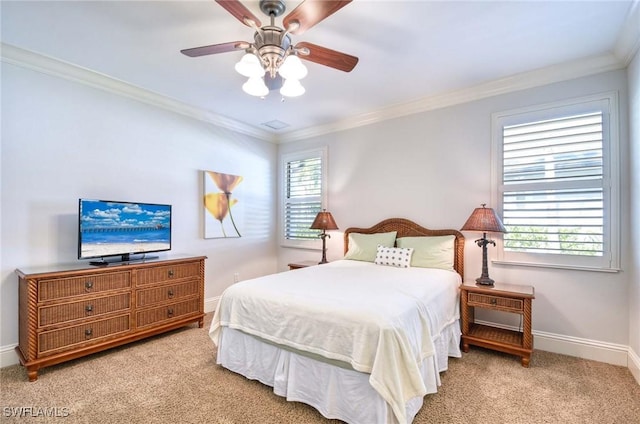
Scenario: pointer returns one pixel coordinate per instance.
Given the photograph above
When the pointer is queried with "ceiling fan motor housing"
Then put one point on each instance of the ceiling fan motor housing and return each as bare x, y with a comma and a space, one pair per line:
272, 45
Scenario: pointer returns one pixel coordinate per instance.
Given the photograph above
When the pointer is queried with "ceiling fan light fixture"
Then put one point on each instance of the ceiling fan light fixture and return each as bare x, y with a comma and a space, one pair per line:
255, 86
292, 68
250, 66
292, 88
272, 57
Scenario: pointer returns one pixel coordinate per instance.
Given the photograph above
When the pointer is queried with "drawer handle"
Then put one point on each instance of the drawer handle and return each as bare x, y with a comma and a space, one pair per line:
171, 273
170, 293
88, 308
170, 311
88, 332
88, 285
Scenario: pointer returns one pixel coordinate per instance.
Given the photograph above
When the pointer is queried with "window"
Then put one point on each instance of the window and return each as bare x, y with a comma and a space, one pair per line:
556, 184
303, 194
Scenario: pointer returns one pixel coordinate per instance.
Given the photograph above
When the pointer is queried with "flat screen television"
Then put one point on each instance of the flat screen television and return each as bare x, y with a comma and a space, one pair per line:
114, 230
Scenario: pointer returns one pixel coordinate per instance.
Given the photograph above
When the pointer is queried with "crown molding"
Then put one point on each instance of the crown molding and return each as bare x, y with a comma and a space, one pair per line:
521, 81
628, 42
570, 70
51, 66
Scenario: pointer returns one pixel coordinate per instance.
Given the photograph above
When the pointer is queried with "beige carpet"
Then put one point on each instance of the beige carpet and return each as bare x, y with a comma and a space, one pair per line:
174, 379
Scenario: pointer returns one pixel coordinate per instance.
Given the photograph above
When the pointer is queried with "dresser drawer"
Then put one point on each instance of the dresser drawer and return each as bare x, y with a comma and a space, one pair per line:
70, 337
496, 302
61, 288
162, 294
163, 274
57, 314
167, 312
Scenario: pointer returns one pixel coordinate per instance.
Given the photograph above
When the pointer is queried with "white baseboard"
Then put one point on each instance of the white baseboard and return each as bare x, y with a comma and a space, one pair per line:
609, 353
634, 364
8, 355
210, 304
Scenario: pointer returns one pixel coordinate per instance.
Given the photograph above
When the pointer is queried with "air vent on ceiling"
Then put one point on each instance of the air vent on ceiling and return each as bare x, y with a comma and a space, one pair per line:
275, 124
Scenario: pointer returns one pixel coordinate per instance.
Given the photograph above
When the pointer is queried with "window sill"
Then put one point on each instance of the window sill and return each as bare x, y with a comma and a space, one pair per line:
300, 247
556, 266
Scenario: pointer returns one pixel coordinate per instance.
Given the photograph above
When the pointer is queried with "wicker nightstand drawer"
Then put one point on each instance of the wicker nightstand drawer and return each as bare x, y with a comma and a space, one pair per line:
496, 302
67, 338
61, 288
62, 313
167, 312
148, 297
163, 274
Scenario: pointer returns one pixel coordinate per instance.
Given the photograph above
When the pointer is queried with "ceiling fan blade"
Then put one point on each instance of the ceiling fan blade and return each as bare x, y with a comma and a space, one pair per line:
310, 12
239, 11
215, 48
327, 57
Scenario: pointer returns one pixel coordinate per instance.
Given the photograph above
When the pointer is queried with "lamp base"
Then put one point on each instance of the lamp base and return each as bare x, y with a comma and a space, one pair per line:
324, 236
484, 281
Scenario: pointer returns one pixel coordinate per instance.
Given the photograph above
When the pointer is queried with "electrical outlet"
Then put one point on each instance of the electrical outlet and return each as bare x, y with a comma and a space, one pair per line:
236, 277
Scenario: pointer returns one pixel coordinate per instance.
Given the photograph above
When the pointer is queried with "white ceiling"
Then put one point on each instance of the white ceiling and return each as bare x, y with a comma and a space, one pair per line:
408, 50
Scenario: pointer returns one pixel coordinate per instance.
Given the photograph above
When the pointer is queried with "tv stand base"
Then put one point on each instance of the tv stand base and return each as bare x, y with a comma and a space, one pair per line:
122, 261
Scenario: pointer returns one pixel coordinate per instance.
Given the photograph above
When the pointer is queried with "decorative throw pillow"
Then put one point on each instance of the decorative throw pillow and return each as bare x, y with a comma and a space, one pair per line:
362, 247
393, 256
430, 252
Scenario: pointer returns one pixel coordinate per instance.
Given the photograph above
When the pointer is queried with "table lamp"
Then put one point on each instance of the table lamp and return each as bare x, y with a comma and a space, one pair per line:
324, 221
484, 220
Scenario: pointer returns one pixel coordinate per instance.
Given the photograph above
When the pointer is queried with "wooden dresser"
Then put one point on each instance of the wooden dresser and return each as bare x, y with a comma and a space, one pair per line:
71, 311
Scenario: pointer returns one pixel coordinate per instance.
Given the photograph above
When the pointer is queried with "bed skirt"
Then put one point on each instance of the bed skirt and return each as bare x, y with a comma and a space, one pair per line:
333, 388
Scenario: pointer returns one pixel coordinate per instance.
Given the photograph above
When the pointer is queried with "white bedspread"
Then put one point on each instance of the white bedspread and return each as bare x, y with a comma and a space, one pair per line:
377, 318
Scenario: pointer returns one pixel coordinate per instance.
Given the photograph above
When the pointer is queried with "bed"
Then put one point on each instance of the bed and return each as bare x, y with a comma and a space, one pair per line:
361, 339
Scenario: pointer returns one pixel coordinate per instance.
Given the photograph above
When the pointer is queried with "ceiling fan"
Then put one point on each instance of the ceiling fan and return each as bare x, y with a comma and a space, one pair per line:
276, 57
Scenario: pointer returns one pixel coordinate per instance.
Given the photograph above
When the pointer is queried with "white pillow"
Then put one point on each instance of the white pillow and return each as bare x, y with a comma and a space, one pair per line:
430, 252
363, 247
393, 256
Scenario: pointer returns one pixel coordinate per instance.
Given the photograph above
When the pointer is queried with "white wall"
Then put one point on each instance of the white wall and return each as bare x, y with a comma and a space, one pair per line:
633, 73
434, 168
62, 140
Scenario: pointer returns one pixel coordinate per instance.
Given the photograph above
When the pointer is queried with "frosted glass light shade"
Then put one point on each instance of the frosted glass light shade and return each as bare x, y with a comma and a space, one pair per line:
255, 86
250, 66
292, 68
292, 88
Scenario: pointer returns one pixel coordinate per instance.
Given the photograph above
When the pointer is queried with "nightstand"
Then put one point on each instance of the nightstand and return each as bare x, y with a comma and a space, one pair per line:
301, 264
499, 297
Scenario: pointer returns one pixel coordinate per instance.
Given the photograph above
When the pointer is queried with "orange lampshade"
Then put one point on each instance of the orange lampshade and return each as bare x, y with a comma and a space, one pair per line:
485, 220
324, 221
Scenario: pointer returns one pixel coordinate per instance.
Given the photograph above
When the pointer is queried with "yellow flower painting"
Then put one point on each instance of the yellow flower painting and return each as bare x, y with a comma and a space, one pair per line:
220, 199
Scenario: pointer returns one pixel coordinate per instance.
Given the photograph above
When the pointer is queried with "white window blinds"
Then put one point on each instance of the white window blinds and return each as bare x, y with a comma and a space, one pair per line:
303, 193
553, 185
556, 184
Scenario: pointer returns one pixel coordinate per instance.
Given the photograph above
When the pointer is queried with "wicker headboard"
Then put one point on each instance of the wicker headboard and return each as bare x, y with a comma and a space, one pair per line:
407, 228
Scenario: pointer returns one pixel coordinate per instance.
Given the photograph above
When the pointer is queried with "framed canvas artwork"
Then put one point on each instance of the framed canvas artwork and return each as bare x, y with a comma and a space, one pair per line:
223, 207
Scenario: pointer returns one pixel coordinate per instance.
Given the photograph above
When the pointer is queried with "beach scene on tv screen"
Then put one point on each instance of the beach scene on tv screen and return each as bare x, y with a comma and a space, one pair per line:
112, 228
